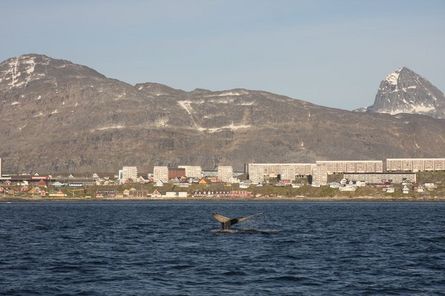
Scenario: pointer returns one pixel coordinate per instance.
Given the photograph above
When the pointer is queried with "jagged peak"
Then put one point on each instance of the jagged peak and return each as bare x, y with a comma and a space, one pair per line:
393, 77
405, 91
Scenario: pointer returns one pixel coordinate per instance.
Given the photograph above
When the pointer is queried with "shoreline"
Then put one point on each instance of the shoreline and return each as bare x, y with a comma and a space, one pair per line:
206, 199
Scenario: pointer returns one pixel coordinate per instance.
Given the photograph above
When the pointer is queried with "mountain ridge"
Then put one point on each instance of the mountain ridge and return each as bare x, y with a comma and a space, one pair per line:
75, 119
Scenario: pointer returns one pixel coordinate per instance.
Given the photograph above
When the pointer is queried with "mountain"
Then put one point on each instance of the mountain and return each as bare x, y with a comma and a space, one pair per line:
60, 117
404, 91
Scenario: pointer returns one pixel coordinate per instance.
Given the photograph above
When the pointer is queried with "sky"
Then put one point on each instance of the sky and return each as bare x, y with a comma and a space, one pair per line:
331, 53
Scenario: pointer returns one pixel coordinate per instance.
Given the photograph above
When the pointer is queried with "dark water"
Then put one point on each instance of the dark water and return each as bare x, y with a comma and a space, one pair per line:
166, 248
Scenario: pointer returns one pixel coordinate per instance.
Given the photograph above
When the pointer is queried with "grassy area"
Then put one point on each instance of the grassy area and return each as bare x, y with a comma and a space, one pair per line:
428, 177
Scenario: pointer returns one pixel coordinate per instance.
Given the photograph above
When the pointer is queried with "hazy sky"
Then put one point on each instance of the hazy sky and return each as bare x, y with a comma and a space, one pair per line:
332, 53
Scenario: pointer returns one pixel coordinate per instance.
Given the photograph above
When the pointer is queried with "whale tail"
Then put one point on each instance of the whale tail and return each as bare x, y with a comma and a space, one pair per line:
227, 222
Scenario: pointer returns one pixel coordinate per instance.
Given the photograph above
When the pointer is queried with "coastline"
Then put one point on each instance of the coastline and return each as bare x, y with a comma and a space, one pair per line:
209, 199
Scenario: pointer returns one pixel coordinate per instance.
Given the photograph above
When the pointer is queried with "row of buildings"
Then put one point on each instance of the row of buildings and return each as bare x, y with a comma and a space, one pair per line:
319, 171
415, 164
260, 172
163, 174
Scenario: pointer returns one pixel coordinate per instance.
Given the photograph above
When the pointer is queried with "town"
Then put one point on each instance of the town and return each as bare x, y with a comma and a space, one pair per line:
411, 178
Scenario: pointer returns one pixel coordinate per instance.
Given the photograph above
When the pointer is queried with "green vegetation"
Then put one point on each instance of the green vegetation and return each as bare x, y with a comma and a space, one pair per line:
265, 191
428, 177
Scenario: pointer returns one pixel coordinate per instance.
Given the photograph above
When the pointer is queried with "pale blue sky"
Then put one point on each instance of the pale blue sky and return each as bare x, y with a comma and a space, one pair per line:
332, 53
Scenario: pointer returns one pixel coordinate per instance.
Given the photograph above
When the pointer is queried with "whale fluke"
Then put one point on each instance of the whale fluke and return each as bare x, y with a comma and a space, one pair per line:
227, 222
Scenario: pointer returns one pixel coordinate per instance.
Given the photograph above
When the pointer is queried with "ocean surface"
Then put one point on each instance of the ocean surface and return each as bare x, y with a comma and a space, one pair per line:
171, 248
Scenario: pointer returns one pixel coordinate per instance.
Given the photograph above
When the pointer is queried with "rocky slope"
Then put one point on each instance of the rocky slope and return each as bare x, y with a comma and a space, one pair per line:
59, 117
404, 91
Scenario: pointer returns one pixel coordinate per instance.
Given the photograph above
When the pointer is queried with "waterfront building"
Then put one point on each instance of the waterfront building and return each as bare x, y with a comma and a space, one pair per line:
57, 194
225, 174
128, 173
351, 166
192, 171
160, 173
415, 164
259, 172
156, 194
173, 194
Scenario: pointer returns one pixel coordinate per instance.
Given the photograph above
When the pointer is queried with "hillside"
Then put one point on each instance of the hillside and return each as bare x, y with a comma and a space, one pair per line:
57, 116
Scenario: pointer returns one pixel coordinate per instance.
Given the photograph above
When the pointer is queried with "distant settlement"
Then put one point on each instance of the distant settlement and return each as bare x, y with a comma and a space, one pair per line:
394, 178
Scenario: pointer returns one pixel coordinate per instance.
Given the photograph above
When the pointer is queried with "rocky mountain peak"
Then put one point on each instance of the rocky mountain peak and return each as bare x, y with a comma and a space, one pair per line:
404, 91
392, 78
19, 71
24, 70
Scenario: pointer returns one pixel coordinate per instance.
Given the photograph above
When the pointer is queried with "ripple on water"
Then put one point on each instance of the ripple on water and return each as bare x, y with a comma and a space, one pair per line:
165, 248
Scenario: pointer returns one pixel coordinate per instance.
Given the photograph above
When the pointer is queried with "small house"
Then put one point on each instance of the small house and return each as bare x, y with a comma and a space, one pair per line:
156, 194
204, 181
430, 186
347, 188
390, 190
405, 190
57, 184
42, 183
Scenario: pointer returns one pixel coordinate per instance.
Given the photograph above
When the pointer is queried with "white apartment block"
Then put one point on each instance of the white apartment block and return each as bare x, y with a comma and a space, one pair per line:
258, 172
225, 173
128, 173
415, 164
192, 171
320, 176
160, 173
351, 166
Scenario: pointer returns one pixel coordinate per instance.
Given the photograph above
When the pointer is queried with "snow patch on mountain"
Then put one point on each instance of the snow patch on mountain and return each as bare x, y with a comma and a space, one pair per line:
232, 127
393, 77
230, 93
422, 108
108, 127
186, 106
20, 71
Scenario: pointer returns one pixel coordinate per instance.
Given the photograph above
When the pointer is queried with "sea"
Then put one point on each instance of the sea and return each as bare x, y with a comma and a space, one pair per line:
175, 248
